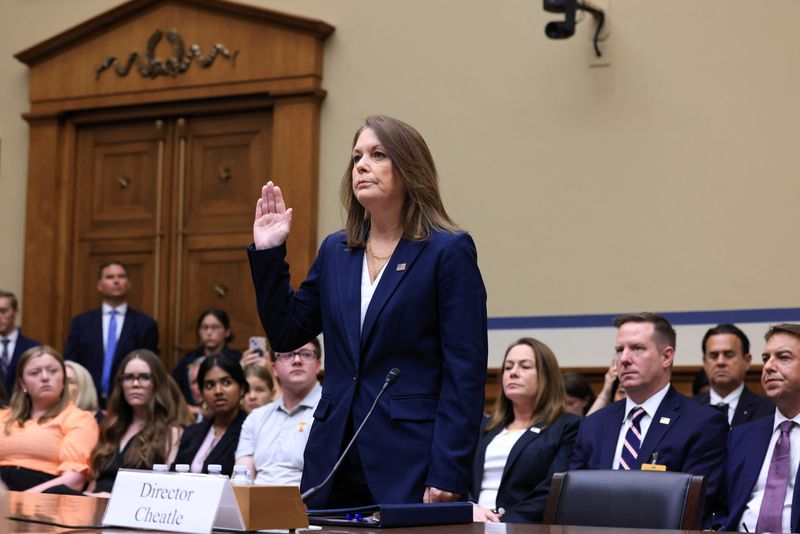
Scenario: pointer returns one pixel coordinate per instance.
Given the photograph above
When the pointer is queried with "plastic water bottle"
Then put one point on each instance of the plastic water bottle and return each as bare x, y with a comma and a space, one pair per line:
215, 469
182, 468
241, 475
160, 468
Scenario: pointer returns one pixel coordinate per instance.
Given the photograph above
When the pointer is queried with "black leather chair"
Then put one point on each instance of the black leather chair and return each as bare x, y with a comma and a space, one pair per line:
626, 499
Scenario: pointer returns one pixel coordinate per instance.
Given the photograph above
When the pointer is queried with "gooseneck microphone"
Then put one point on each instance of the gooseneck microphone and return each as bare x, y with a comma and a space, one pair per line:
391, 377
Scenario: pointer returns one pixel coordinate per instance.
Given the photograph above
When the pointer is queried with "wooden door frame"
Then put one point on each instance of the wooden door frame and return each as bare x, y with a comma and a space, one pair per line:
278, 65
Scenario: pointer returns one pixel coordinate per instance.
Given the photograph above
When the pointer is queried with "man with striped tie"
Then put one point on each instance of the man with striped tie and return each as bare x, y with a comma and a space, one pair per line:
655, 426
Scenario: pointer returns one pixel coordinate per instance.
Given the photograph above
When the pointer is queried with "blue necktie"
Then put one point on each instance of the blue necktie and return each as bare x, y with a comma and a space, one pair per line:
633, 440
111, 348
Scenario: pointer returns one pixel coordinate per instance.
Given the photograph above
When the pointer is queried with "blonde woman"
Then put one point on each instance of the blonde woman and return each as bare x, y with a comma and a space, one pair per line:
80, 387
46, 440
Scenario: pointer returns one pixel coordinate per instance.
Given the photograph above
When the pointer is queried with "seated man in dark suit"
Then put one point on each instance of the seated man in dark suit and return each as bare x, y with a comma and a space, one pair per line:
99, 339
655, 424
12, 342
763, 455
726, 358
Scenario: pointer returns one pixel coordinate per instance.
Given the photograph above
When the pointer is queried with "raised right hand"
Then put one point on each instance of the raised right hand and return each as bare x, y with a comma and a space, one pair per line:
273, 220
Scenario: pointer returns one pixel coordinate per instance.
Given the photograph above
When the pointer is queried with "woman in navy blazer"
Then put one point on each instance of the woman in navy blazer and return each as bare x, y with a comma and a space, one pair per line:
527, 438
399, 287
214, 440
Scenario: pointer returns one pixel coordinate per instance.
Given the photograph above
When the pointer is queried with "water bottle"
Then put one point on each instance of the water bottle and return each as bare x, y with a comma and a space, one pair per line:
182, 468
215, 469
241, 475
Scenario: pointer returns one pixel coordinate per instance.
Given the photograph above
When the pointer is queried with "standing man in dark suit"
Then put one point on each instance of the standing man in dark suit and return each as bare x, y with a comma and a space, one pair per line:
763, 455
655, 424
99, 339
726, 358
12, 342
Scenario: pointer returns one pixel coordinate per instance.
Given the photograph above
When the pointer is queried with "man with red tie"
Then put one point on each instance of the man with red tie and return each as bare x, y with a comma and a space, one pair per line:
763, 455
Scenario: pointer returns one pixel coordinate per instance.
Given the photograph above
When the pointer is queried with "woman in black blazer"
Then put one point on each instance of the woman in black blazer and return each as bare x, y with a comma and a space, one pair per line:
214, 440
526, 439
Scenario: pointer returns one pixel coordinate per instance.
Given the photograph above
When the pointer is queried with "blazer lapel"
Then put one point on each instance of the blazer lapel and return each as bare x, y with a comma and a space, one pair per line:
664, 418
125, 333
744, 408
399, 264
98, 342
348, 281
524, 440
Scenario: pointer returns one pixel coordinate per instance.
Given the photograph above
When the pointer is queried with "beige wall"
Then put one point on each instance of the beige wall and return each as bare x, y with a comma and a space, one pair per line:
667, 180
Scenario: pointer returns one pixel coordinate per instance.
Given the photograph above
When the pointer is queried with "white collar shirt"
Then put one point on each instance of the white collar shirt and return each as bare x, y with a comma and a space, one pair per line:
120, 312
650, 407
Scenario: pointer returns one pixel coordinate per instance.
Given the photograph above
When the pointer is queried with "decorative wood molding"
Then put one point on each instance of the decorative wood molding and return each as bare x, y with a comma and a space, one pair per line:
179, 62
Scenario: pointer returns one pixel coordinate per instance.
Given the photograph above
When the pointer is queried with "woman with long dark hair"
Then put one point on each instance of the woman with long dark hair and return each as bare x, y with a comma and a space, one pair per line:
213, 335
143, 421
528, 437
214, 440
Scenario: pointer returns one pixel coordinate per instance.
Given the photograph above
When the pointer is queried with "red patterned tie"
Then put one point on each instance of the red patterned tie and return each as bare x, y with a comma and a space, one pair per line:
771, 514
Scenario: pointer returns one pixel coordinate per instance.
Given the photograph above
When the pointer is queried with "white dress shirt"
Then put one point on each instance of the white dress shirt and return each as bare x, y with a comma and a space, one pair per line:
732, 400
650, 407
120, 310
368, 287
750, 515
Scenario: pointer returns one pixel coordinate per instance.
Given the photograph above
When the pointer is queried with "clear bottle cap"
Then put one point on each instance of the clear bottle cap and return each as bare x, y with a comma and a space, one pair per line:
182, 468
160, 468
214, 469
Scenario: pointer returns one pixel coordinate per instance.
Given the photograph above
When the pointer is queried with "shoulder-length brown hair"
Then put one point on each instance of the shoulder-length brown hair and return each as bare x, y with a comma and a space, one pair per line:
20, 406
412, 162
152, 443
550, 396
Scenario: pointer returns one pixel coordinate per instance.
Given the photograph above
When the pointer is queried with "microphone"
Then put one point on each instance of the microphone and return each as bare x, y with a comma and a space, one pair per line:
391, 377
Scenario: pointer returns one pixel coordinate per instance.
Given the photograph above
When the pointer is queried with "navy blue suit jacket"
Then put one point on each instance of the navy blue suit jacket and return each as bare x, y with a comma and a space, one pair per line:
751, 406
427, 317
223, 453
85, 341
692, 441
747, 447
23, 344
529, 468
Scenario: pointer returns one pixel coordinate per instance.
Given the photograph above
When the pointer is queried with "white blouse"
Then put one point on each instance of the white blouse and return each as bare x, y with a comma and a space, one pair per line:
494, 463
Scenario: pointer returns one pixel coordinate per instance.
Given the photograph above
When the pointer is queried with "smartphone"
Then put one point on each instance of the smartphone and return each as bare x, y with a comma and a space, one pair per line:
259, 343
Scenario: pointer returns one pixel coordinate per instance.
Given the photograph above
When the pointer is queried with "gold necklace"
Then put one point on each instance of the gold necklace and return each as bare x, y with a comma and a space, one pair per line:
375, 256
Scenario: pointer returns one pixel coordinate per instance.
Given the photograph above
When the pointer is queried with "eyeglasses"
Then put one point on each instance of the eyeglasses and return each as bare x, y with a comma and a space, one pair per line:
143, 378
305, 355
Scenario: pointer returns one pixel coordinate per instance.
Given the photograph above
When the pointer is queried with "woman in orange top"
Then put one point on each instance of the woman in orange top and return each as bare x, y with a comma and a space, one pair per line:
46, 440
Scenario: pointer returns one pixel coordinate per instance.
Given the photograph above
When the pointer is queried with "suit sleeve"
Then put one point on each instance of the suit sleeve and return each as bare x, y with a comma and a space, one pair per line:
531, 508
463, 338
706, 455
580, 451
290, 319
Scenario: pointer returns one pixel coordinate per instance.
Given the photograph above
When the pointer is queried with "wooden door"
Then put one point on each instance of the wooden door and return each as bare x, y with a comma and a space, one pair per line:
173, 199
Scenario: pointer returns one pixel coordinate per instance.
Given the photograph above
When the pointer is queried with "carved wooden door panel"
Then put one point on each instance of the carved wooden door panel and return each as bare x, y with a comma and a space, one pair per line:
173, 199
118, 212
227, 160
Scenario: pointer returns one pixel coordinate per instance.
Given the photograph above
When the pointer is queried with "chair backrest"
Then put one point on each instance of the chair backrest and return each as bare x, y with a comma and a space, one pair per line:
626, 499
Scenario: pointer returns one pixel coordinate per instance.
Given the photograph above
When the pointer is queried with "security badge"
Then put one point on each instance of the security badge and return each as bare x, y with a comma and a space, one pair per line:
654, 465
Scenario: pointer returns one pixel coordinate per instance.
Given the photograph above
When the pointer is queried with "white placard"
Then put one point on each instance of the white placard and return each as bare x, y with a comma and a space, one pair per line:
178, 502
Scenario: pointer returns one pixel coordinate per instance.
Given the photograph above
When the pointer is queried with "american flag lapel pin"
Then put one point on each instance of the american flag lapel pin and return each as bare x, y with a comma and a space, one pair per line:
401, 267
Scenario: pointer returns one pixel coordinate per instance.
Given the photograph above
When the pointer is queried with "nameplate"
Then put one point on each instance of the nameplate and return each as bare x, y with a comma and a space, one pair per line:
177, 502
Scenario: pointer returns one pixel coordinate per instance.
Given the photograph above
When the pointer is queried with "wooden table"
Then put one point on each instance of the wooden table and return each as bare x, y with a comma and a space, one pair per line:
39, 509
